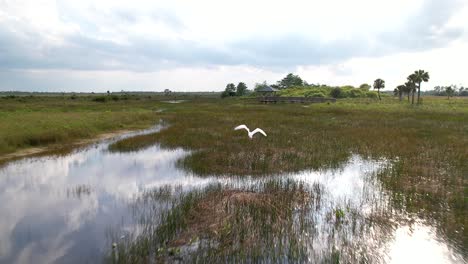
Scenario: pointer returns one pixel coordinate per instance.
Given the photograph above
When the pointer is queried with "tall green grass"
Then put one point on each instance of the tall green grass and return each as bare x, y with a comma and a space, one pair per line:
31, 122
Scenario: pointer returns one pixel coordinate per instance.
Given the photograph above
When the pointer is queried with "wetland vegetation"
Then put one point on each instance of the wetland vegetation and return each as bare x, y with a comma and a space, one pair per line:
424, 180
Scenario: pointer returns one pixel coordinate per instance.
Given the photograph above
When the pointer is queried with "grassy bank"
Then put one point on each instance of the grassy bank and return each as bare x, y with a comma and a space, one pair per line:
41, 121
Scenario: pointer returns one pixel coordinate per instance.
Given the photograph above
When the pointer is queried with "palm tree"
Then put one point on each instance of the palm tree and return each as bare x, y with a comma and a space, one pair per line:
408, 90
400, 90
412, 80
379, 84
419, 77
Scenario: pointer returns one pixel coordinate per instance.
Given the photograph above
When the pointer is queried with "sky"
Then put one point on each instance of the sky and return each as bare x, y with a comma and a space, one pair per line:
184, 45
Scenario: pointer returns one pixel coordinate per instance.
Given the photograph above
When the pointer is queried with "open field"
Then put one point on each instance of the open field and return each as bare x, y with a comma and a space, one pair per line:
426, 146
35, 121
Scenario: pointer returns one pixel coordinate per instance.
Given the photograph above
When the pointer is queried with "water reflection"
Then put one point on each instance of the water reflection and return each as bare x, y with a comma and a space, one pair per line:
60, 208
42, 219
417, 243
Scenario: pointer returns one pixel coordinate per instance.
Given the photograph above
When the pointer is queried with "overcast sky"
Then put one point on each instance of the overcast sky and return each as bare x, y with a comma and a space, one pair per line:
100, 45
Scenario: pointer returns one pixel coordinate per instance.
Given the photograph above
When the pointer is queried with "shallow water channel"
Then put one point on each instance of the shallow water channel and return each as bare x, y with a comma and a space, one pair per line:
68, 208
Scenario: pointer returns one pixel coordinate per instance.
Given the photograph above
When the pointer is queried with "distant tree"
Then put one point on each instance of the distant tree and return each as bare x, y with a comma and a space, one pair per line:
108, 93
167, 92
379, 84
241, 89
463, 91
412, 79
289, 81
439, 90
420, 76
400, 90
259, 86
364, 86
410, 89
449, 90
229, 91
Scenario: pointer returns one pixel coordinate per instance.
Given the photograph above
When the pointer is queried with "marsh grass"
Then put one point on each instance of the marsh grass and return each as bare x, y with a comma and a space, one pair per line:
267, 220
427, 144
42, 121
264, 221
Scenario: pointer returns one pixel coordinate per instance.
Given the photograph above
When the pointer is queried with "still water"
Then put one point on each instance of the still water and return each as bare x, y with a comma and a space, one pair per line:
62, 208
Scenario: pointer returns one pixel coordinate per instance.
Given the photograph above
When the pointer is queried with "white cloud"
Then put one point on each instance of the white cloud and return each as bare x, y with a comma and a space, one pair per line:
445, 66
202, 45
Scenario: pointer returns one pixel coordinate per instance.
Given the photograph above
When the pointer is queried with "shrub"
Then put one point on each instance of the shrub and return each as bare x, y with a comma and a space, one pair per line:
371, 95
100, 99
355, 93
336, 92
314, 94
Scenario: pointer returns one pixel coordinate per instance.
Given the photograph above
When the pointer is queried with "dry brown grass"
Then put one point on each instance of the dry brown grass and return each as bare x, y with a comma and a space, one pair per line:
210, 216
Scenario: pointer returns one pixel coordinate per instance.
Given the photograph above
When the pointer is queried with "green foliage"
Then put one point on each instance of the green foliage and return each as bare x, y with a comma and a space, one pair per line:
339, 214
232, 90
229, 91
449, 91
289, 81
336, 92
259, 86
442, 91
241, 89
379, 84
356, 93
365, 87
314, 93
371, 94
327, 91
420, 76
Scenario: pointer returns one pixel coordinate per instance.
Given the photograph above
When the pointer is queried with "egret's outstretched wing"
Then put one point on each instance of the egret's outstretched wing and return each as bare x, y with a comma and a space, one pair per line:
242, 127
259, 131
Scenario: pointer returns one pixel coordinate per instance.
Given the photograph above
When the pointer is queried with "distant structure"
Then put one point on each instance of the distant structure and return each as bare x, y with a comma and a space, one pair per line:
267, 91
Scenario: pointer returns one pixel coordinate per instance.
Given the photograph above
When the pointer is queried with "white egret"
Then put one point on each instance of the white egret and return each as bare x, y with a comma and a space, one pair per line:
251, 134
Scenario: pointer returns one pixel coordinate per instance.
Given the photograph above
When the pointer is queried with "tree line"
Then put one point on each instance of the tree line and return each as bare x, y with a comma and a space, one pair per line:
233, 90
241, 89
291, 80
449, 91
294, 83
411, 86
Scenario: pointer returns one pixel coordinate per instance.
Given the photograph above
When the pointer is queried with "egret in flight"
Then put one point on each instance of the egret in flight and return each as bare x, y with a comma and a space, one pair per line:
251, 134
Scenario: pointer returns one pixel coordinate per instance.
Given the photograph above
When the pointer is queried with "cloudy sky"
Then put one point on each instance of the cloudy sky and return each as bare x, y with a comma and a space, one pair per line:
99, 45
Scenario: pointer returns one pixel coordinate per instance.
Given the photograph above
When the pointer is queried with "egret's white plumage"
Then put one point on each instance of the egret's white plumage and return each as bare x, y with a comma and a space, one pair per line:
251, 134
